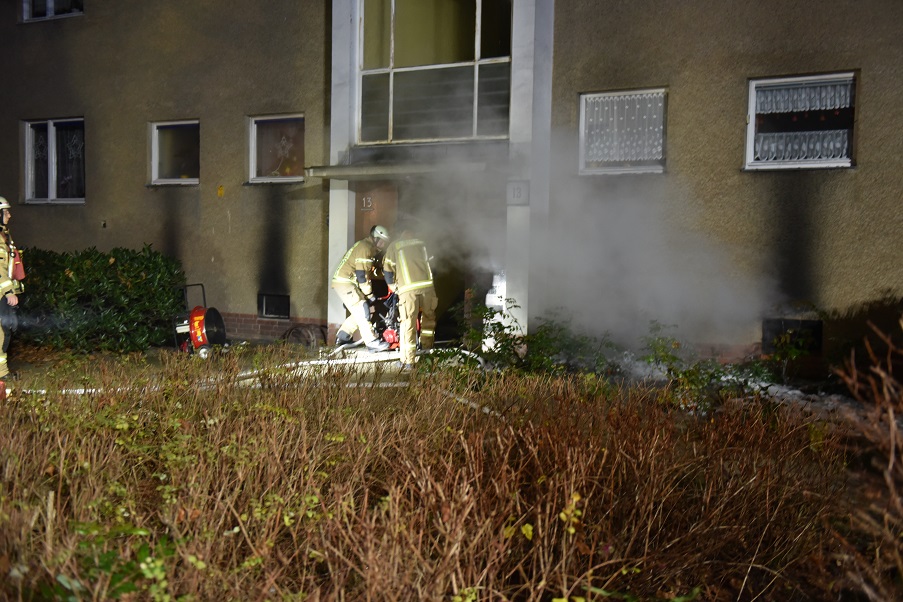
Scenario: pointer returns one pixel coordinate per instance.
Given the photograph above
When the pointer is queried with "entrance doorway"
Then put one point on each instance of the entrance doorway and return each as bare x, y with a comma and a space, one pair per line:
375, 203
385, 202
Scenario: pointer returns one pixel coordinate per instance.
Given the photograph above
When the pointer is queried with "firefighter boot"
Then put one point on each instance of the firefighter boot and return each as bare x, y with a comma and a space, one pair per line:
377, 345
342, 338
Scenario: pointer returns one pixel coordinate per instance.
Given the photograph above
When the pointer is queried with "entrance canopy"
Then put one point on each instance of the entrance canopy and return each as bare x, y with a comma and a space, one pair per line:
371, 171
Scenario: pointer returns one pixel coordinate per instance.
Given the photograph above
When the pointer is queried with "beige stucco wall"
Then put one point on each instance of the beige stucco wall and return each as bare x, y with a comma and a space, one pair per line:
827, 237
706, 241
123, 65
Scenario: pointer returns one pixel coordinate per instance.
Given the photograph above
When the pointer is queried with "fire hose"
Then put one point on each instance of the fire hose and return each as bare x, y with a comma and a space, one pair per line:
252, 378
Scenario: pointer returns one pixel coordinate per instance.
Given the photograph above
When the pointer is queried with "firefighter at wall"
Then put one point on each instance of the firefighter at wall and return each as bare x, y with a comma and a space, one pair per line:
10, 287
352, 282
407, 271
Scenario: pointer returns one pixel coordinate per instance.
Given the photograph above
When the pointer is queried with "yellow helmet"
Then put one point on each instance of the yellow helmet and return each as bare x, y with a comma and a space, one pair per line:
4, 204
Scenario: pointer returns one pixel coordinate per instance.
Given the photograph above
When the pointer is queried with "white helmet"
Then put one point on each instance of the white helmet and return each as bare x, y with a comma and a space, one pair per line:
379, 232
4, 204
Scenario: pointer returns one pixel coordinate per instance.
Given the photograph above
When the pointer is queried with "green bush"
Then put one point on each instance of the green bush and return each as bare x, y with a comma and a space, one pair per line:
554, 346
124, 300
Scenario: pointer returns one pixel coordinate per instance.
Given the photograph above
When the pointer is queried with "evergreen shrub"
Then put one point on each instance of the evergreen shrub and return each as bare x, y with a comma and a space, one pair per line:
123, 300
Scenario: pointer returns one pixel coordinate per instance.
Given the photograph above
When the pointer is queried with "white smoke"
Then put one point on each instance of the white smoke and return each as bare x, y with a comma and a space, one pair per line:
619, 257
619, 253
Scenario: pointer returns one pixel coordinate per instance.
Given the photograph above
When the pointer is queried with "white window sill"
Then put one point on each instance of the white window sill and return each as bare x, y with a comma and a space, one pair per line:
179, 182
256, 181
52, 17
53, 202
785, 165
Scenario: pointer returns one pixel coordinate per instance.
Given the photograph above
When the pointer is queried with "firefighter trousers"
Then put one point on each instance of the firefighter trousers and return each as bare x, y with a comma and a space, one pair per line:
420, 302
356, 303
7, 325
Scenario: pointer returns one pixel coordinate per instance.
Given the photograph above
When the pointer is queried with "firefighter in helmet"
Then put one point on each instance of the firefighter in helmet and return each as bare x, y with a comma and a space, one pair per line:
10, 288
407, 271
352, 282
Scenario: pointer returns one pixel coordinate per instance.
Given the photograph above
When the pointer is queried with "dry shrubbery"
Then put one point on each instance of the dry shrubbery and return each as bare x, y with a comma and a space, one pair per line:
877, 550
459, 486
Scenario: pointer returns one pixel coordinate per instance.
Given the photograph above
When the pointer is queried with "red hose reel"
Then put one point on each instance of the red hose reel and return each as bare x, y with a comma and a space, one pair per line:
201, 329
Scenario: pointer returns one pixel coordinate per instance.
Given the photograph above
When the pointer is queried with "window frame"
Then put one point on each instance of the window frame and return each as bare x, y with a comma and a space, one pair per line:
51, 14
155, 179
616, 169
252, 149
52, 165
749, 161
392, 70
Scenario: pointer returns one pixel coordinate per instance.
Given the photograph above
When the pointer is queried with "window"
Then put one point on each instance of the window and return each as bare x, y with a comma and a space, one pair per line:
273, 306
800, 122
48, 9
55, 161
176, 152
434, 70
622, 132
277, 148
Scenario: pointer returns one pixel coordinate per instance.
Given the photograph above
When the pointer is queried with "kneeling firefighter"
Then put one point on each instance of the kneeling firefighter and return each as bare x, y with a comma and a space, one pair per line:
352, 282
408, 274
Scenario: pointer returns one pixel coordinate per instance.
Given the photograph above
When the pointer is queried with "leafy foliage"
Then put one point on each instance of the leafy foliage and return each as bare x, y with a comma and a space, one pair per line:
789, 346
552, 347
699, 384
124, 300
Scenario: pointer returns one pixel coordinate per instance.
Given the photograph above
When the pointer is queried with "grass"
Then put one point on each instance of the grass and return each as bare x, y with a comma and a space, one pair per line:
182, 482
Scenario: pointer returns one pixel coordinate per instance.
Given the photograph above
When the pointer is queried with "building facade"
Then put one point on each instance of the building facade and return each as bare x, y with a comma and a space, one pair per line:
183, 125
619, 164
777, 189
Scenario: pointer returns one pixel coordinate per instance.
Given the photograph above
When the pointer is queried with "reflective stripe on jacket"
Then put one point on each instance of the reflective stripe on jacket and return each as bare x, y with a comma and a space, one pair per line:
408, 262
358, 258
7, 284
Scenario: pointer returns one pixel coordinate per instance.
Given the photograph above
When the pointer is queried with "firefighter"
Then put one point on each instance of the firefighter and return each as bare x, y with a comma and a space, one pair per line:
407, 271
352, 282
10, 288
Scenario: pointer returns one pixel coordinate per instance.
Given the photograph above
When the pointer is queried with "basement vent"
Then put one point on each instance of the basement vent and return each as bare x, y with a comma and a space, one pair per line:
783, 333
273, 306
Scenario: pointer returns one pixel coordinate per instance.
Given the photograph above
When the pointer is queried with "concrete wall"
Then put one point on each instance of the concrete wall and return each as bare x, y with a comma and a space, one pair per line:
708, 243
123, 65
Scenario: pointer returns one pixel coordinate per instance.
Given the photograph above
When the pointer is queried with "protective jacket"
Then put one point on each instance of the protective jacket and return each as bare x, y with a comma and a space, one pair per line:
7, 252
407, 271
7, 313
357, 265
407, 266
